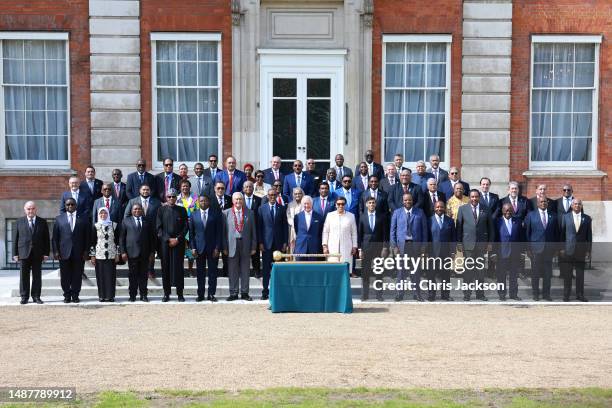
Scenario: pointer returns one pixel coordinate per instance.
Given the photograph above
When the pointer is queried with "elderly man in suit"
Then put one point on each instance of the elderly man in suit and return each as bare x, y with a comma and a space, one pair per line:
408, 236
252, 202
272, 231
448, 186
231, 176
420, 176
205, 242
577, 235
404, 186
138, 178
201, 184
387, 183
374, 169
541, 192
431, 196
298, 179
239, 243
442, 236
439, 173
331, 179
308, 226
113, 205
71, 237
83, 200
166, 180
324, 203
274, 173
520, 204
475, 233
542, 233
91, 185
509, 248
361, 180
340, 168
137, 248
31, 248
373, 239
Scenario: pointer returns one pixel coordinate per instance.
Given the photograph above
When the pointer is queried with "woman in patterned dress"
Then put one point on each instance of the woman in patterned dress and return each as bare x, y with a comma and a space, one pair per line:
190, 203
103, 255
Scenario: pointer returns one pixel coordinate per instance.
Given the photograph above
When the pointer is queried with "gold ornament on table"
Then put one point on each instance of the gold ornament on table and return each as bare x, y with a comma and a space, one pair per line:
278, 256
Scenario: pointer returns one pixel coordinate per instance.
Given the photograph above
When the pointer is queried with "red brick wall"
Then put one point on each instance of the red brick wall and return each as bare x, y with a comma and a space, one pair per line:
70, 16
560, 17
417, 17
186, 16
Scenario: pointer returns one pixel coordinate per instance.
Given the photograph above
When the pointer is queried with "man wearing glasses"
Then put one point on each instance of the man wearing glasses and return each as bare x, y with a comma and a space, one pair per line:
351, 195
448, 186
166, 180
212, 169
281, 199
298, 179
138, 178
201, 184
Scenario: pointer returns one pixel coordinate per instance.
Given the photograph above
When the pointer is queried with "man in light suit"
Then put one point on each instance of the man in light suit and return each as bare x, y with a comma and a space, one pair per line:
340, 168
439, 173
443, 245
509, 248
475, 233
166, 180
91, 185
408, 236
373, 239
200, 183
352, 196
405, 186
31, 248
298, 179
308, 227
231, 176
374, 169
448, 186
577, 233
273, 235
138, 178
324, 203
71, 238
273, 173
387, 184
119, 188
380, 196
361, 180
83, 200
107, 200
542, 233
205, 242
212, 169
239, 244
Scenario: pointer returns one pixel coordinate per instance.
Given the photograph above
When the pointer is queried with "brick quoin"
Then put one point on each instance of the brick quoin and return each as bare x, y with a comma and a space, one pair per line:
70, 16
415, 17
185, 16
532, 17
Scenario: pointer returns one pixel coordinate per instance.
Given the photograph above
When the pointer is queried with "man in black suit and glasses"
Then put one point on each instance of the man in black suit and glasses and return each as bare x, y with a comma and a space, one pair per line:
373, 238
31, 247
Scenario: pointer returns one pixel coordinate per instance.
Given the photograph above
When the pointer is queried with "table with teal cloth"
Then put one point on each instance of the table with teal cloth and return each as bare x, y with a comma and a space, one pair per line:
310, 287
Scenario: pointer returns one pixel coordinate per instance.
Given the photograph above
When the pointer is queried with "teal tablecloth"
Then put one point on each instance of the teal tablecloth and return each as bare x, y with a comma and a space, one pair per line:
310, 287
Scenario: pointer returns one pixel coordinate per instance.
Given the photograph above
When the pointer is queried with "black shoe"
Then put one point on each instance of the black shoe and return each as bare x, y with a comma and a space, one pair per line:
466, 298
75, 299
132, 298
431, 298
379, 296
212, 298
482, 298
418, 298
144, 299
398, 298
245, 296
231, 298
24, 301
166, 298
265, 297
536, 298
364, 298
101, 300
582, 299
515, 298
181, 298
448, 299
566, 298
37, 301
199, 298
502, 298
547, 298
66, 300
112, 300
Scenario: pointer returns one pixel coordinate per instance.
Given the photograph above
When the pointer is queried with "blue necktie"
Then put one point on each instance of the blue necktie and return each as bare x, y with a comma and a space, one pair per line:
372, 222
272, 212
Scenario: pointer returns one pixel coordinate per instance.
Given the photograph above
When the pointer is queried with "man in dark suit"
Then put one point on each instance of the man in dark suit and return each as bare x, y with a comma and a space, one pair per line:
448, 186
577, 233
31, 248
475, 233
374, 169
273, 235
91, 185
138, 178
137, 248
273, 173
112, 204
408, 236
119, 188
361, 180
373, 239
201, 184
331, 179
325, 202
387, 183
443, 243
541, 192
340, 168
563, 204
490, 200
252, 202
298, 179
166, 180
520, 204
71, 238
231, 176
308, 227
404, 186
398, 161
509, 248
420, 175
439, 173
212, 169
83, 200
218, 203
381, 197
281, 199
542, 233
431, 196
311, 170
352, 197
205, 241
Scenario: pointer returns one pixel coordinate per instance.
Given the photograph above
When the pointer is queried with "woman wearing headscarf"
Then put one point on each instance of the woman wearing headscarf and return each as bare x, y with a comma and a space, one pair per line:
104, 256
293, 209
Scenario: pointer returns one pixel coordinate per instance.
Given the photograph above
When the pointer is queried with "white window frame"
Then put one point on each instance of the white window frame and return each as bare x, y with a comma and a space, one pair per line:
419, 38
213, 37
21, 164
568, 39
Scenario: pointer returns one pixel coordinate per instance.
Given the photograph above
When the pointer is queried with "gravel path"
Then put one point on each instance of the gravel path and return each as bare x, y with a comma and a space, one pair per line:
245, 346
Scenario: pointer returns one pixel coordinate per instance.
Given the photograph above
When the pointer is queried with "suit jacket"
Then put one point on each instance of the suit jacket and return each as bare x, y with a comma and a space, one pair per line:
474, 235
122, 197
399, 228
442, 174
357, 183
509, 245
345, 172
333, 186
422, 180
269, 176
273, 233
207, 186
134, 183
97, 189
396, 197
31, 243
443, 239
248, 242
447, 188
493, 204
84, 204
522, 203
116, 210
542, 240
428, 206
150, 216
306, 183
552, 204
377, 238
214, 203
330, 205
135, 243
385, 184
353, 206
378, 170
238, 180
208, 173
382, 198
577, 244
160, 185
308, 240
205, 238
255, 204
71, 244
560, 207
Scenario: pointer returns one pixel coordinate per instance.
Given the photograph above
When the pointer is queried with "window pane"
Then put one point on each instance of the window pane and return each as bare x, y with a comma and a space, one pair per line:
209, 124
395, 52
318, 87
57, 123
436, 76
581, 149
414, 149
166, 51
562, 124
15, 148
562, 101
14, 123
13, 71
208, 100
33, 49
393, 145
166, 73
564, 53
207, 74
284, 87
540, 124
207, 146
166, 100
34, 72
188, 149
585, 53
318, 128
188, 100
415, 101
542, 75
188, 125
564, 75
415, 52
36, 149
435, 126
56, 72
166, 147
414, 126
55, 50
582, 124
540, 149
583, 101
13, 98
35, 98
12, 49
57, 148
434, 146
436, 101
394, 101
436, 53
187, 73
416, 75
542, 101
56, 98
187, 51
393, 125
394, 75
35, 123
561, 148
166, 125
542, 52
585, 75
207, 52
284, 125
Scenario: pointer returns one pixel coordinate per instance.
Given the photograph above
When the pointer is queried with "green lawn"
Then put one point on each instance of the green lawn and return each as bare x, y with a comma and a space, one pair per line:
356, 397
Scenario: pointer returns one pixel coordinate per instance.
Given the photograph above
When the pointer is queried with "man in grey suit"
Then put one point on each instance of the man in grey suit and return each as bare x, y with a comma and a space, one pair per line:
341, 169
201, 184
440, 174
475, 233
239, 244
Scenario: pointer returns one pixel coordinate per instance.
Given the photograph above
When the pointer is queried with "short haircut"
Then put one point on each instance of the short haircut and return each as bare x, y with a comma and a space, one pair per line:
185, 182
368, 200
307, 198
485, 178
342, 199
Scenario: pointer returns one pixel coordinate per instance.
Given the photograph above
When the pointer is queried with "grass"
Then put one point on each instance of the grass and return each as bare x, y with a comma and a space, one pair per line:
354, 397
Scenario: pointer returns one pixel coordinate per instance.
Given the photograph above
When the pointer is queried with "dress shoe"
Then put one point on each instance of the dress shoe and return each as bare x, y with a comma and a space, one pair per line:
112, 300
448, 299
482, 299
466, 298
398, 298
419, 298
536, 298
132, 298
199, 298
547, 298
231, 298
37, 301
245, 296
144, 299
582, 299
431, 298
265, 297
75, 299
502, 298
181, 298
212, 298
364, 298
101, 300
379, 296
66, 300
166, 298
23, 301
566, 298
515, 298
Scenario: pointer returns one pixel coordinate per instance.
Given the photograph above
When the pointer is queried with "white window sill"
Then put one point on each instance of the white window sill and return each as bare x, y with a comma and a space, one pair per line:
36, 172
565, 173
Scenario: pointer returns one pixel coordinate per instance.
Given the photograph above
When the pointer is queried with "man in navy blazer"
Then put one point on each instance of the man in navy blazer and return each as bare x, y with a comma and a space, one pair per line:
489, 199
115, 208
381, 197
231, 177
361, 179
448, 186
138, 178
273, 235
290, 182
119, 188
373, 239
443, 245
374, 169
420, 176
325, 202
274, 173
510, 237
352, 196
70, 241
577, 233
91, 185
308, 227
520, 204
408, 236
405, 185
166, 180
542, 233
204, 240
83, 200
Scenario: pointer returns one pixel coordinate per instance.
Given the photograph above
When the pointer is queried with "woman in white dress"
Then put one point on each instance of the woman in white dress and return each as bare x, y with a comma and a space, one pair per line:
294, 208
340, 233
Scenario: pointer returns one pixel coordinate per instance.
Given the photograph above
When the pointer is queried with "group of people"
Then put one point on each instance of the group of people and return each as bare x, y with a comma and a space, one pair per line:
245, 216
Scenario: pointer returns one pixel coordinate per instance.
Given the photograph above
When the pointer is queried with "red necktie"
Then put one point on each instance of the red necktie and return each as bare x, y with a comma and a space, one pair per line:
107, 204
279, 200
323, 205
231, 182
